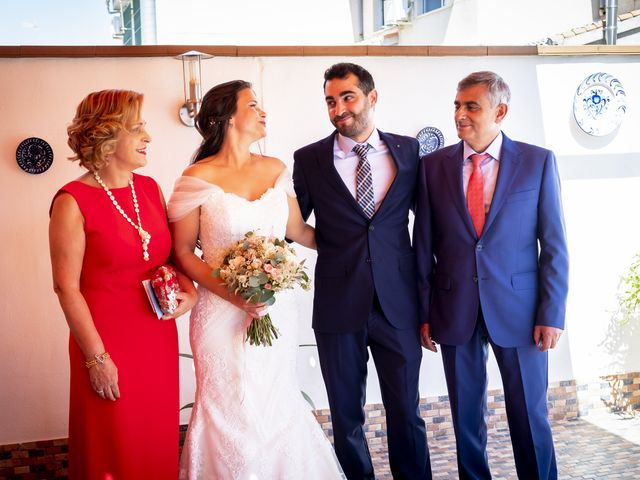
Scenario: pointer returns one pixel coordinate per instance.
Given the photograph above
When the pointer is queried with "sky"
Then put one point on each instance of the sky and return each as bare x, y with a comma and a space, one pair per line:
55, 22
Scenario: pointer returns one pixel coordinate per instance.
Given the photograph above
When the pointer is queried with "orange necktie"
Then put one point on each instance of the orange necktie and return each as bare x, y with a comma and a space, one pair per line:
475, 192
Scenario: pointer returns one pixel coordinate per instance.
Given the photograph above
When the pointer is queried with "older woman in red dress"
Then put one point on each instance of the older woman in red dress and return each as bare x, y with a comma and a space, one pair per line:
108, 233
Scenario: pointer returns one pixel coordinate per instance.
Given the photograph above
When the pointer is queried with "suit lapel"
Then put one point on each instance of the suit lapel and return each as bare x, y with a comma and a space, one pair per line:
397, 154
509, 165
328, 169
453, 173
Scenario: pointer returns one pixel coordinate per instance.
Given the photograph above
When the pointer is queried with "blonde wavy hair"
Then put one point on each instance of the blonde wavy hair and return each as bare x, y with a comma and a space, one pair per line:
98, 120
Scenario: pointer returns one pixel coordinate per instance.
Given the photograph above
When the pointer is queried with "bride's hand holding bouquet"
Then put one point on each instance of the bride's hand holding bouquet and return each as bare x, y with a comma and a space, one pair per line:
255, 268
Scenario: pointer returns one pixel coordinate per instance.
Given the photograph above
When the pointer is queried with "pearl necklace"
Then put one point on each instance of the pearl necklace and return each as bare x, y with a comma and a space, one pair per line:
145, 237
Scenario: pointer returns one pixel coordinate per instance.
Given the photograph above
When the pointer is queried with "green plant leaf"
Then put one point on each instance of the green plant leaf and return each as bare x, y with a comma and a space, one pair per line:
629, 300
262, 278
308, 399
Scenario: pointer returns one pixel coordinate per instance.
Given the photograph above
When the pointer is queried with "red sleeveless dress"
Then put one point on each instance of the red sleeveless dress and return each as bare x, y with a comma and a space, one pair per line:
135, 437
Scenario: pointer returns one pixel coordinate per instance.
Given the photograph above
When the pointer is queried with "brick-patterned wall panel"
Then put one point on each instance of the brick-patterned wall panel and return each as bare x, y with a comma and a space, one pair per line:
566, 400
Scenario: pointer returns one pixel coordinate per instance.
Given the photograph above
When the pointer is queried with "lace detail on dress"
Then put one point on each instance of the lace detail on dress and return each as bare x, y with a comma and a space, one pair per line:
249, 419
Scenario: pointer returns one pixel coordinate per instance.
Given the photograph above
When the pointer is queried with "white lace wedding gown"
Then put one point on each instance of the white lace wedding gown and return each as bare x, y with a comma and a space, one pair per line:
249, 420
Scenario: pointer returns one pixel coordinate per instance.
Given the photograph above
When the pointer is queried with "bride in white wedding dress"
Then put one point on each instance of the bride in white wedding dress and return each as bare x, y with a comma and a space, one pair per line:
249, 420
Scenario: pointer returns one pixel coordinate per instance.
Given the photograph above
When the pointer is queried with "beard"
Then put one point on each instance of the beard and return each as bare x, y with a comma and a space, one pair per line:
361, 122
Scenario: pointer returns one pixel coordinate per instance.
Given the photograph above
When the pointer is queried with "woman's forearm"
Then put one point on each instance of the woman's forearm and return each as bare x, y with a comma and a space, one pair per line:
78, 316
297, 229
305, 235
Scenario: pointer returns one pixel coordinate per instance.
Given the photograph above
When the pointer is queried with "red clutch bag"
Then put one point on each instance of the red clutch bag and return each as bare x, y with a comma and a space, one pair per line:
166, 287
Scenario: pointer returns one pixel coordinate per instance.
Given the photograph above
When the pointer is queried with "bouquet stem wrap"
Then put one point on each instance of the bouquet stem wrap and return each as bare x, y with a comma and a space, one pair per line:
260, 331
256, 268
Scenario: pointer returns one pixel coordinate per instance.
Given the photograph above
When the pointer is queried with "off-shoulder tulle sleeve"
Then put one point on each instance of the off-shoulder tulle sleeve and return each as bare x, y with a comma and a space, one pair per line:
188, 194
285, 182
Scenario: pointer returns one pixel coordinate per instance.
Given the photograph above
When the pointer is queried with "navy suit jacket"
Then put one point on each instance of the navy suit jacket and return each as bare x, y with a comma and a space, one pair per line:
517, 271
357, 255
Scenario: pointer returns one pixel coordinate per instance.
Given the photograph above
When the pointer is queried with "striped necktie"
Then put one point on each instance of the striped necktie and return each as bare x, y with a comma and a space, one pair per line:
364, 182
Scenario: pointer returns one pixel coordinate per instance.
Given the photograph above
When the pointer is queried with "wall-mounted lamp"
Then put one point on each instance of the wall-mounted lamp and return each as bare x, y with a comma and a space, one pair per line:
192, 79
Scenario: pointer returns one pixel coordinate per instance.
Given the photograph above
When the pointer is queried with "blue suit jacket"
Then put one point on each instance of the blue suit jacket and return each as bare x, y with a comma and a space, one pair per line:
357, 256
517, 271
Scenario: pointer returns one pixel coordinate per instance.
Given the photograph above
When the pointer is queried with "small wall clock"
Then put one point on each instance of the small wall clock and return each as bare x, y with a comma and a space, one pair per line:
34, 155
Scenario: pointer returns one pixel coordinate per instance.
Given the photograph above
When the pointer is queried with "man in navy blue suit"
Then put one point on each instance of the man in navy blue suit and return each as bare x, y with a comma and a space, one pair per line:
360, 184
492, 270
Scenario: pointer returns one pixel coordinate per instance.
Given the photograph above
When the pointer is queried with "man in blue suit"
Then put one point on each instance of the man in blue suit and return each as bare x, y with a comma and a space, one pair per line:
360, 183
492, 270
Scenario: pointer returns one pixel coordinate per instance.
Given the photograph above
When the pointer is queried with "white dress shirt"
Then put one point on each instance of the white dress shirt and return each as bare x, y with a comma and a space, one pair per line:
489, 167
383, 168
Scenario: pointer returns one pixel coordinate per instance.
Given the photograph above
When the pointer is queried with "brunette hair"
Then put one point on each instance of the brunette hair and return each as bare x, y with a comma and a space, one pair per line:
498, 89
218, 106
342, 70
99, 118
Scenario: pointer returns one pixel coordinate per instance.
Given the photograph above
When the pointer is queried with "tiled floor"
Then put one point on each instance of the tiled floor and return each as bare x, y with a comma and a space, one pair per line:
594, 447
602, 446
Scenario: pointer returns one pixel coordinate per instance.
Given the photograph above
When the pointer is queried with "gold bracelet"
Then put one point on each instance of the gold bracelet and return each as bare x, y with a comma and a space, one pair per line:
98, 358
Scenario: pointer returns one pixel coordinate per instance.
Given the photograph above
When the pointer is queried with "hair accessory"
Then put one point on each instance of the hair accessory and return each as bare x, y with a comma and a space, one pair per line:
217, 120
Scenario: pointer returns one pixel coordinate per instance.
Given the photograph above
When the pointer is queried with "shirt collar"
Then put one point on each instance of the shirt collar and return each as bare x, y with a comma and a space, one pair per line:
493, 149
343, 146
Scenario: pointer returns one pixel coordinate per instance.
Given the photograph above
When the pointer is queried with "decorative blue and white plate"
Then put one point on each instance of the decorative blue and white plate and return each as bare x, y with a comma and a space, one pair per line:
430, 139
599, 104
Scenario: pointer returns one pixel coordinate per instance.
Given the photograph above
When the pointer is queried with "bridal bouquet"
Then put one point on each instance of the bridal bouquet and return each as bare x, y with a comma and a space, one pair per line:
256, 268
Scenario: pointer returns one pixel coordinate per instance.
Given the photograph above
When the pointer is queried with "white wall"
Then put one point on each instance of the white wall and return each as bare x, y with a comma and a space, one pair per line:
495, 22
257, 22
601, 186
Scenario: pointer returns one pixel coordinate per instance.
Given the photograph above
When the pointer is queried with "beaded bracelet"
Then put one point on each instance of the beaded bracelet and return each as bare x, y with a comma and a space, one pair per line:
99, 358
